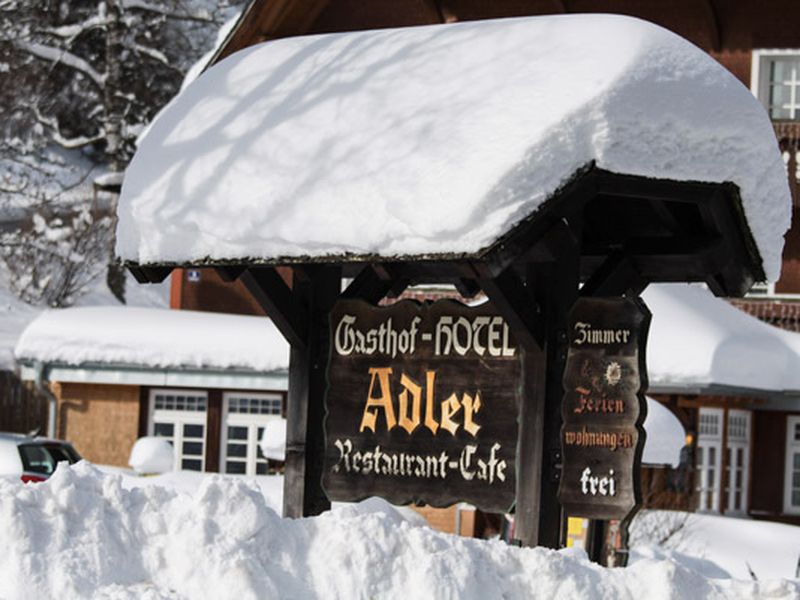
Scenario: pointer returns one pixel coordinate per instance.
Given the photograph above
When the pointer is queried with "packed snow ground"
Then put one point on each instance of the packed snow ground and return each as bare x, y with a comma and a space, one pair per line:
85, 534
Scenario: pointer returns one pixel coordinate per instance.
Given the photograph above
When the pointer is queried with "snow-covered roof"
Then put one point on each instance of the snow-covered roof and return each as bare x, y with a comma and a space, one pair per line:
701, 341
665, 436
153, 338
437, 139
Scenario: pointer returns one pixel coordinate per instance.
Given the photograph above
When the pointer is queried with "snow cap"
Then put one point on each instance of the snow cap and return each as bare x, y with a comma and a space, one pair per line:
153, 337
436, 139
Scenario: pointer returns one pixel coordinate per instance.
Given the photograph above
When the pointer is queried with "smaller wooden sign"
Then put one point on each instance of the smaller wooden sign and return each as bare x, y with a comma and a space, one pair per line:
603, 409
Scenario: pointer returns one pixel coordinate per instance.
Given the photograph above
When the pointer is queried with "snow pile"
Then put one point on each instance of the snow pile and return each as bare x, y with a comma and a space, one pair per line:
356, 143
665, 436
83, 535
273, 440
153, 338
699, 340
152, 455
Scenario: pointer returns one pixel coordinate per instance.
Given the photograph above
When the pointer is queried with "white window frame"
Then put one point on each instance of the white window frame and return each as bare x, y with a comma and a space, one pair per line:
767, 290
179, 418
253, 422
792, 448
705, 441
744, 446
758, 57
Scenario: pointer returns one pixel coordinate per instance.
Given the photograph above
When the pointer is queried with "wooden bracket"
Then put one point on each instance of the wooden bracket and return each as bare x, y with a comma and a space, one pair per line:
512, 299
279, 302
616, 276
230, 274
149, 274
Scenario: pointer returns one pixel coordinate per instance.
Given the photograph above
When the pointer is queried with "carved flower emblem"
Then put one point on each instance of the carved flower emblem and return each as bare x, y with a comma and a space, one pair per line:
613, 373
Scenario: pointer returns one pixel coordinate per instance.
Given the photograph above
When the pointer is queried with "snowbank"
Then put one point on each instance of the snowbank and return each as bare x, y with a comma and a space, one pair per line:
699, 340
153, 338
369, 149
83, 535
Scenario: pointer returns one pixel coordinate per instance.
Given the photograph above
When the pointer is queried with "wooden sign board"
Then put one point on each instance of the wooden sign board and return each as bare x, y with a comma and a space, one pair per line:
422, 404
603, 409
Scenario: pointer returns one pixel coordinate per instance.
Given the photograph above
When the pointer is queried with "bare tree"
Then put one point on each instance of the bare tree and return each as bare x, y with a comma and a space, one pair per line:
79, 81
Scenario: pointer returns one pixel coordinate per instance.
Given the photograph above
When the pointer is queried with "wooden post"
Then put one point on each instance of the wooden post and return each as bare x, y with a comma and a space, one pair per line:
316, 291
530, 449
554, 285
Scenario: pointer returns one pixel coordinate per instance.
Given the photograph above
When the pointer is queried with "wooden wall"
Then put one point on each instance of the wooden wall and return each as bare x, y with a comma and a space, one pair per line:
102, 421
22, 409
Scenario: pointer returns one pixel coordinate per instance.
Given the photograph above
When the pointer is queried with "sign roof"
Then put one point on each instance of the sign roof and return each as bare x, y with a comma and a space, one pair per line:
435, 140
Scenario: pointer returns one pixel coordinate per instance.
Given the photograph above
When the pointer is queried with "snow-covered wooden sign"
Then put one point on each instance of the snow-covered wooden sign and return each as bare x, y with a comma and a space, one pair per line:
422, 404
604, 407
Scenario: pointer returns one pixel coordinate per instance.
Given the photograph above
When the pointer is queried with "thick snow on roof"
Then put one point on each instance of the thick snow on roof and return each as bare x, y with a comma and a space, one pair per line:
83, 535
665, 436
697, 339
153, 337
436, 139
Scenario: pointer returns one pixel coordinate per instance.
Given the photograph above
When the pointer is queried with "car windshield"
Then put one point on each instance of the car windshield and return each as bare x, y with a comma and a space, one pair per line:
43, 458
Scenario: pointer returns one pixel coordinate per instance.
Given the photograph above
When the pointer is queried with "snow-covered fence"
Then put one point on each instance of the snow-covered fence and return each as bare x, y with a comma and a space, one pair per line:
22, 409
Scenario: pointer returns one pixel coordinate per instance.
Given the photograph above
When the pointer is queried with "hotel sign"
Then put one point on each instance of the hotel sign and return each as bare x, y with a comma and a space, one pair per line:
422, 404
604, 407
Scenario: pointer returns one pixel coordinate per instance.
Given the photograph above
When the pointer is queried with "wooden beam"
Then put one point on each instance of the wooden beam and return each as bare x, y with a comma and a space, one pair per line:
616, 276
305, 436
270, 20
230, 274
468, 288
368, 285
512, 299
279, 302
149, 274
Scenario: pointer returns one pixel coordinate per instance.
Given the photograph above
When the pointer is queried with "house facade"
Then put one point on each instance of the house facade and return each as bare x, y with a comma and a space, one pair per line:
208, 383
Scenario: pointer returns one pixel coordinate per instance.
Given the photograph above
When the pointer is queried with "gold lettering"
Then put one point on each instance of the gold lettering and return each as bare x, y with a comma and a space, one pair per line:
416, 394
470, 408
384, 401
450, 408
430, 421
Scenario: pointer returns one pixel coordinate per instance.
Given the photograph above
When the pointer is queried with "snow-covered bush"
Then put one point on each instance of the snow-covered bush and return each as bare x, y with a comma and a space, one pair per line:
151, 455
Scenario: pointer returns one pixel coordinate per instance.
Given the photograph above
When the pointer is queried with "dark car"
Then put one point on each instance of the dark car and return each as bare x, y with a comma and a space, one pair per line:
33, 459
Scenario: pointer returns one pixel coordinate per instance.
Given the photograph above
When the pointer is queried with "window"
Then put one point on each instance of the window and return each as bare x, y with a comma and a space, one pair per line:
245, 415
709, 453
776, 82
791, 498
710, 450
738, 461
179, 416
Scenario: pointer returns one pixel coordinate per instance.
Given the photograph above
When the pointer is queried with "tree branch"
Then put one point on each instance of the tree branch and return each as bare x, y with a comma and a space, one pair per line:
202, 17
59, 56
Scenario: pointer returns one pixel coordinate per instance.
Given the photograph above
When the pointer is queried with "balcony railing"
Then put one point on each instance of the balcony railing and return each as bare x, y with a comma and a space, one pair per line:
788, 134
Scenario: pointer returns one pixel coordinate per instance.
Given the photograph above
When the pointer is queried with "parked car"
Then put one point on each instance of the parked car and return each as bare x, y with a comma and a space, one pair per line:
32, 459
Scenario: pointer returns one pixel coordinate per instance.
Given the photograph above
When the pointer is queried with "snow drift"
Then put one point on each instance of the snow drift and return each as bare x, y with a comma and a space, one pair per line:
82, 534
436, 139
